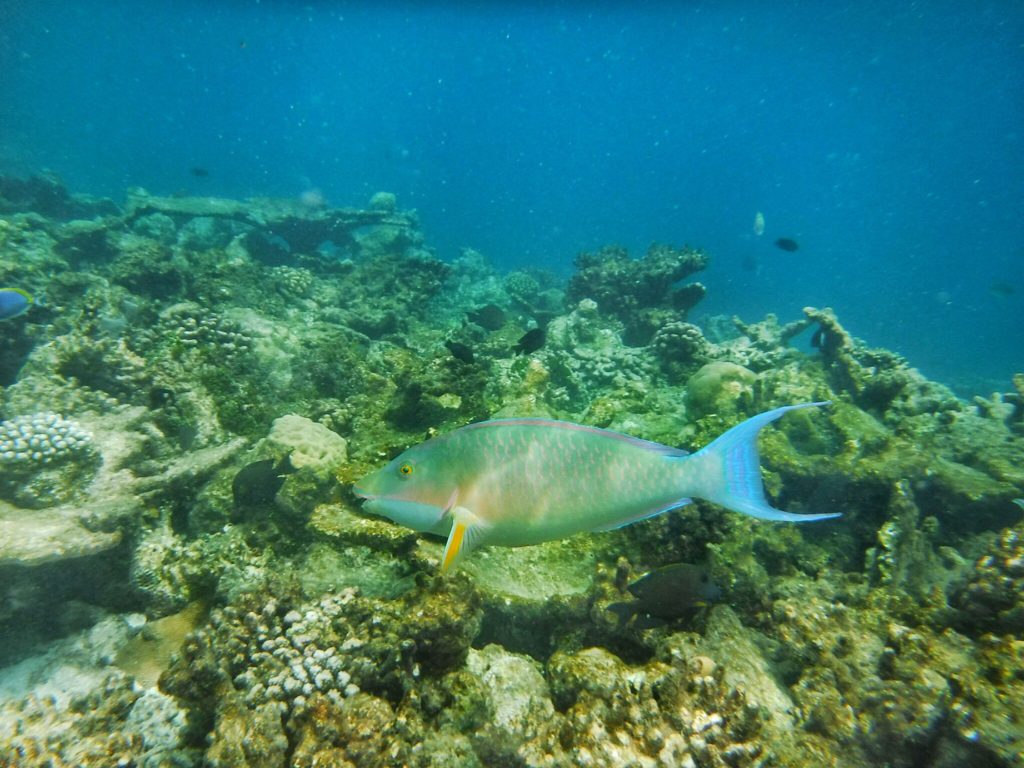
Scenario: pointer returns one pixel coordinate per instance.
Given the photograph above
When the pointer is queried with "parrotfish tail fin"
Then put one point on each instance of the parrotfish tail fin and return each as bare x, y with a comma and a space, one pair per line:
733, 470
466, 535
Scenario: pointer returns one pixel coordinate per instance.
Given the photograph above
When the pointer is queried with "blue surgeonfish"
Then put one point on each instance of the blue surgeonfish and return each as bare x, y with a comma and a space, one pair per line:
14, 302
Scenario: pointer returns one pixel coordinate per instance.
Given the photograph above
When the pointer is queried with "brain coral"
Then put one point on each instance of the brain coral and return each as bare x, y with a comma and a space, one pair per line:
719, 387
310, 444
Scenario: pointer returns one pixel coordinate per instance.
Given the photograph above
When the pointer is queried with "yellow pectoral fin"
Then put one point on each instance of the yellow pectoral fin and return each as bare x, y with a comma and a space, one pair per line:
454, 546
465, 536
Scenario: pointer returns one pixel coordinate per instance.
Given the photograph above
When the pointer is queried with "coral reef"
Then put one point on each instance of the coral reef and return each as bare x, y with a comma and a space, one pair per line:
876, 379
680, 347
643, 293
154, 610
43, 458
992, 597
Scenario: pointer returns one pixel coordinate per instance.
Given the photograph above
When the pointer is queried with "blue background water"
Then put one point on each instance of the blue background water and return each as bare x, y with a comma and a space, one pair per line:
886, 138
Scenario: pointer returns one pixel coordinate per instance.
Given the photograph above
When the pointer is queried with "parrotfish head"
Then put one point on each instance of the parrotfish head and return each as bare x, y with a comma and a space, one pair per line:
412, 490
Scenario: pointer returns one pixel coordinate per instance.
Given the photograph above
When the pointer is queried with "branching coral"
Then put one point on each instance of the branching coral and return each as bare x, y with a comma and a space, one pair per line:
878, 380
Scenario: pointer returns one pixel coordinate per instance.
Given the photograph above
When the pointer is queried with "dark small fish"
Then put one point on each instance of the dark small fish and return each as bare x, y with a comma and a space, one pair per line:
750, 263
818, 338
259, 482
490, 317
1002, 288
530, 341
160, 397
669, 592
460, 351
787, 244
199, 172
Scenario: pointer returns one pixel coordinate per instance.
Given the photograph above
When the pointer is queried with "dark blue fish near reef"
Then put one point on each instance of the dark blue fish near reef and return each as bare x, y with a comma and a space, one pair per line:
787, 244
14, 302
258, 482
530, 341
490, 317
460, 351
666, 593
1002, 289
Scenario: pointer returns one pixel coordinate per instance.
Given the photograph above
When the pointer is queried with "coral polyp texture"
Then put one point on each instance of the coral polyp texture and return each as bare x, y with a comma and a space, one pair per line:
188, 579
41, 438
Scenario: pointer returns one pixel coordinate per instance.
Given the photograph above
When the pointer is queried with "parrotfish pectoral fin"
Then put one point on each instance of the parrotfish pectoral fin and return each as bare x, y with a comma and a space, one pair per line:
734, 470
466, 535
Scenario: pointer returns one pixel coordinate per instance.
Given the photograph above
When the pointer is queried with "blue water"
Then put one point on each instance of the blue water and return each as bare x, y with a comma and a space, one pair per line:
885, 138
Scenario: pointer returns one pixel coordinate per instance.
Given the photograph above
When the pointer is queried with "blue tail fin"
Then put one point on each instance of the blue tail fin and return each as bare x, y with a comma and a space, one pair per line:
730, 470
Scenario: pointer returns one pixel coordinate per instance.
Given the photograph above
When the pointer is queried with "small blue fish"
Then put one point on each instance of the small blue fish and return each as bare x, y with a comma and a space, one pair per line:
14, 302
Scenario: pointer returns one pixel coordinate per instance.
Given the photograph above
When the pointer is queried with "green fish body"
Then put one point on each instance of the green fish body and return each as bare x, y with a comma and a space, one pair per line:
515, 482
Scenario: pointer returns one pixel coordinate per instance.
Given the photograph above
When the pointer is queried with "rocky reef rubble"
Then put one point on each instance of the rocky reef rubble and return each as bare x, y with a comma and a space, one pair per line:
207, 378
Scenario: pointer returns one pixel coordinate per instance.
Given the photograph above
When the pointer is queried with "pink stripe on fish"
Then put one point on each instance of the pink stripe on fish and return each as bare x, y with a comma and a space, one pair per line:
568, 426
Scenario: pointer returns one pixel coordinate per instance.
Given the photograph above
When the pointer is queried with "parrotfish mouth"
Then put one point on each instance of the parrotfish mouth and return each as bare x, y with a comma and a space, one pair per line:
361, 493
425, 518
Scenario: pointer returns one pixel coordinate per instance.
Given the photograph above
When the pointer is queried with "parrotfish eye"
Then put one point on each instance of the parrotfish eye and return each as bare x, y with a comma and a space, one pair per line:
405, 470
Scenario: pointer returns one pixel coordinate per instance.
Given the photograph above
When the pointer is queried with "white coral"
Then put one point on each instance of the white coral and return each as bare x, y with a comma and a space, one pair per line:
310, 444
41, 438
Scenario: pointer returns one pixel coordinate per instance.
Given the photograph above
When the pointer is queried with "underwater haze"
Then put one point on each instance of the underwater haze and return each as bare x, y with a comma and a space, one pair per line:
484, 385
886, 140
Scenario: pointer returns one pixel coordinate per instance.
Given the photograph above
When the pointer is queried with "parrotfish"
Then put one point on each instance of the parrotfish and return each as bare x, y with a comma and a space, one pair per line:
516, 482
13, 302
